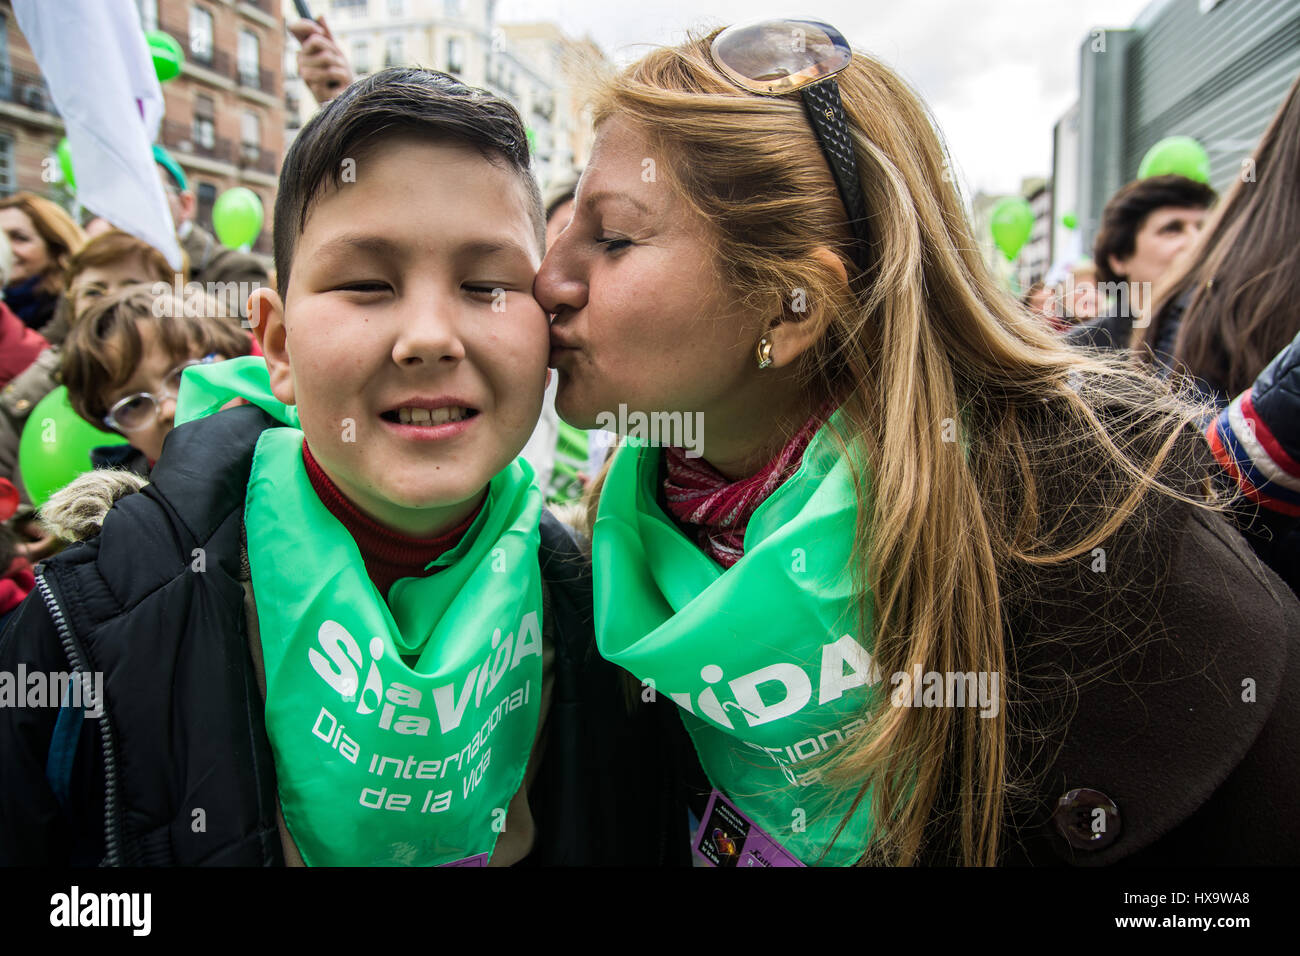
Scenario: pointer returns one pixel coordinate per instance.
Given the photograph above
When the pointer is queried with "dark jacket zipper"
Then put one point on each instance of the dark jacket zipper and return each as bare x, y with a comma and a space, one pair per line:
112, 824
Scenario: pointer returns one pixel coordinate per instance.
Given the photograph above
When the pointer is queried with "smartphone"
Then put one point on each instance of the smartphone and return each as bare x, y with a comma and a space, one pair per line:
303, 10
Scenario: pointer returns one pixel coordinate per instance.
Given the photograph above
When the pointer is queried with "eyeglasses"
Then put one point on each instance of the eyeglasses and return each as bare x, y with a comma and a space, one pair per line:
140, 410
776, 57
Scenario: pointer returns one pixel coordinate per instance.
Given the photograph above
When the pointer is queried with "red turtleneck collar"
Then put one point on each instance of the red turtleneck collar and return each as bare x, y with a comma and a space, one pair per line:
388, 554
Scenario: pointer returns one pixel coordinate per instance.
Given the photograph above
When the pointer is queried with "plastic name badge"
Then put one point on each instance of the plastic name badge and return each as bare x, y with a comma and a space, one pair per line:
728, 838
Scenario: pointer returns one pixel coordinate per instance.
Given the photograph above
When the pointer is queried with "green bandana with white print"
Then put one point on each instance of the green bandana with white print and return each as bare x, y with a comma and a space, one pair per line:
763, 658
402, 728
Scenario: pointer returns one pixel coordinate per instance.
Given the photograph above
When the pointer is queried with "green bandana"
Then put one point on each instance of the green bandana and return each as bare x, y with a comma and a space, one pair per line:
762, 657
206, 388
570, 458
401, 730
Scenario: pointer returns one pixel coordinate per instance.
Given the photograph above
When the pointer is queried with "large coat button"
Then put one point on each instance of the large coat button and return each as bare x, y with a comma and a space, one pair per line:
1088, 819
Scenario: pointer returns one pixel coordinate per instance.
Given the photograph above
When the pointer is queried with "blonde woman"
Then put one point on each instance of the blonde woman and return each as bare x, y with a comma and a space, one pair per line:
924, 584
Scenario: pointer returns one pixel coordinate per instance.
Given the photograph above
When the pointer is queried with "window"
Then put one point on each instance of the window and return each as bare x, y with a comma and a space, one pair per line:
205, 129
358, 7
148, 13
396, 8
451, 7
248, 56
250, 135
200, 34
361, 56
455, 55
207, 196
6, 164
393, 50
6, 73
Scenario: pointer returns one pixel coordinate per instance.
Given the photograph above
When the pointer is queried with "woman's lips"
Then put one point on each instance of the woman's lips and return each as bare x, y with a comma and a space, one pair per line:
560, 353
561, 347
561, 339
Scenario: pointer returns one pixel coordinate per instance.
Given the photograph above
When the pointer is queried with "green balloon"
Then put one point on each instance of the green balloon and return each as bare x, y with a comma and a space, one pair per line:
1069, 220
1179, 156
237, 217
167, 54
1013, 221
55, 446
64, 152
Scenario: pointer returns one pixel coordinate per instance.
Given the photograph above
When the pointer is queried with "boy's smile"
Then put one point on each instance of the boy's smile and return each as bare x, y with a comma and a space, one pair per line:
409, 338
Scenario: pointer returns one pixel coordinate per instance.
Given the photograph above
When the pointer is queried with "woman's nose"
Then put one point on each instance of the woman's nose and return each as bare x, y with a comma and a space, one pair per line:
560, 284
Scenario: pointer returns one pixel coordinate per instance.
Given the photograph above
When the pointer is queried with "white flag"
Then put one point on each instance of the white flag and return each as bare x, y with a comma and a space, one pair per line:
100, 72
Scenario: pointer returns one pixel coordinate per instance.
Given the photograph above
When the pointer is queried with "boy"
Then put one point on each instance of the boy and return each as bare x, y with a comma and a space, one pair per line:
375, 577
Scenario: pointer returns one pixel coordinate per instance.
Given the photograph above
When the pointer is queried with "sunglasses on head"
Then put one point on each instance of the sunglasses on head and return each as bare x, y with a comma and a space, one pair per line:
778, 57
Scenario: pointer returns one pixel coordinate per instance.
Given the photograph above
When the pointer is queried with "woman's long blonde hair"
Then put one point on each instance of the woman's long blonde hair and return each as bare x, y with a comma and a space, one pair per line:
994, 450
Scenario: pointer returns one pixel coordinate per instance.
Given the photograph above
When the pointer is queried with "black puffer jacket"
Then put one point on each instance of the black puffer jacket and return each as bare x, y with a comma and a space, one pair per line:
182, 729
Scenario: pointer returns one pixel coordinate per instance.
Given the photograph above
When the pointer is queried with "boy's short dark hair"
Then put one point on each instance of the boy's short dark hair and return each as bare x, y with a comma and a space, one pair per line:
392, 102
1127, 211
104, 349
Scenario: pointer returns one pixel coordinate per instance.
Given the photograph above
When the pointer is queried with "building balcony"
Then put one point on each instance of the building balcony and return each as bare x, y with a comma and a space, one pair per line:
218, 61
263, 80
26, 89
181, 137
252, 156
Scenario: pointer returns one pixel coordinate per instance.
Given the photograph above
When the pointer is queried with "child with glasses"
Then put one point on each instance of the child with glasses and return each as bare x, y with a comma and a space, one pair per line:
122, 364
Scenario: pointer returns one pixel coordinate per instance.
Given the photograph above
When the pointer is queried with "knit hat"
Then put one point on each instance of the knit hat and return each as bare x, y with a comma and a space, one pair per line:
168, 162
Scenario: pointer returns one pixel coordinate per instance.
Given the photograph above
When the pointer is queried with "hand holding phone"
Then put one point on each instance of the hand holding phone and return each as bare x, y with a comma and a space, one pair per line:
321, 62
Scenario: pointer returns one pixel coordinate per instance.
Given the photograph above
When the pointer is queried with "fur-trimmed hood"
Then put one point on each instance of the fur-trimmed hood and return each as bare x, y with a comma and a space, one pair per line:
76, 511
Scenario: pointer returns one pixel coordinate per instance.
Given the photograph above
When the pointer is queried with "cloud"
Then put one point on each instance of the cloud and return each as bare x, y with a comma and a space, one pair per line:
997, 74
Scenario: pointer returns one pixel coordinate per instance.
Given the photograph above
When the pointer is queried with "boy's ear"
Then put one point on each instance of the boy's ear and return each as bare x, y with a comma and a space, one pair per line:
266, 316
803, 323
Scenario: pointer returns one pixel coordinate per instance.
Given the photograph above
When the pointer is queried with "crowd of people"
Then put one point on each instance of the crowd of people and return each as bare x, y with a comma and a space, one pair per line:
949, 578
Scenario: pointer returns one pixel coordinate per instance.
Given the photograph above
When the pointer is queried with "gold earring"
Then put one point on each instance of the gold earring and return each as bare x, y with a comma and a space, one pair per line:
764, 352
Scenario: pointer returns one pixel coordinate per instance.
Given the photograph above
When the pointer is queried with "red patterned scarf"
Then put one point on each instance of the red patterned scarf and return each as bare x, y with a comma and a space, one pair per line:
714, 510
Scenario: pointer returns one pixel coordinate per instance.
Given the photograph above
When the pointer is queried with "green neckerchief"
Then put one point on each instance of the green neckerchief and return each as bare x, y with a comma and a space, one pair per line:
205, 388
570, 458
763, 657
377, 761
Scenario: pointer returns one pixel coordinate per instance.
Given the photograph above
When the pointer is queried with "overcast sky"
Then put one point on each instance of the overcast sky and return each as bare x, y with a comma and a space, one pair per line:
996, 73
